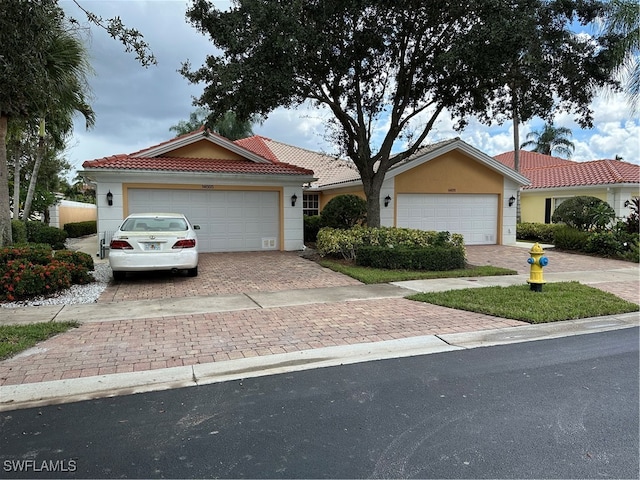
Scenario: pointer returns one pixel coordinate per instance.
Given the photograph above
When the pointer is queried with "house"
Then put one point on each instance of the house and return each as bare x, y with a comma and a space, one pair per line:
242, 200
448, 186
553, 180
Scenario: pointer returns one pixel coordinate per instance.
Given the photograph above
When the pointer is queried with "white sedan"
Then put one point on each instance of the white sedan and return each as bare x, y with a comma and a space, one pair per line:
154, 241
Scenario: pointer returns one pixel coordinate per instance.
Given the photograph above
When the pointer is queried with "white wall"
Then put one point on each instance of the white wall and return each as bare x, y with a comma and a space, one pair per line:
509, 214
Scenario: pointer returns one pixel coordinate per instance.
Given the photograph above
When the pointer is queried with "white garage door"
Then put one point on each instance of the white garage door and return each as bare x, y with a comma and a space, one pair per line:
473, 216
230, 221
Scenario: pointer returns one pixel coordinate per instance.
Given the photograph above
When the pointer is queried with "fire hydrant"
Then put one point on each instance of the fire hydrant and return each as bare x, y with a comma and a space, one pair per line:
537, 261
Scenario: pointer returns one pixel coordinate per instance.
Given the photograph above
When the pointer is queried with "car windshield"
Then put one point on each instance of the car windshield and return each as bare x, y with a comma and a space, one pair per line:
154, 224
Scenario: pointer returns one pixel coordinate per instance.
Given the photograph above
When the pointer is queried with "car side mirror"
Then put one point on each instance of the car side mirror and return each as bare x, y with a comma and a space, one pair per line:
196, 227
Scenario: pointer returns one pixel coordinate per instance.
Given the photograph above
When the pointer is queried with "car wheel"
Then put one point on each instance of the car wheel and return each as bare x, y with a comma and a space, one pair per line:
117, 275
193, 272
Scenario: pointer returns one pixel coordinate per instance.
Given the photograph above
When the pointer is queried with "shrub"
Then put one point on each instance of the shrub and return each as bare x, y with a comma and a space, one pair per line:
37, 232
584, 213
38, 254
567, 238
79, 263
346, 243
539, 232
31, 270
633, 220
312, 225
21, 278
18, 232
80, 229
433, 258
344, 211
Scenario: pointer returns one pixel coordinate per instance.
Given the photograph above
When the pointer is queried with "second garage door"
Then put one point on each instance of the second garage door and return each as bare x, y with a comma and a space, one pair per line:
230, 221
473, 216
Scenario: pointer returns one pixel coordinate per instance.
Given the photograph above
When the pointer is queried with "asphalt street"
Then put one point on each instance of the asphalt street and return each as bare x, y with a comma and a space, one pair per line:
560, 408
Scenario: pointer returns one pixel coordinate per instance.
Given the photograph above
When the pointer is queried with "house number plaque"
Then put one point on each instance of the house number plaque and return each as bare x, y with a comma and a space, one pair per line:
207, 186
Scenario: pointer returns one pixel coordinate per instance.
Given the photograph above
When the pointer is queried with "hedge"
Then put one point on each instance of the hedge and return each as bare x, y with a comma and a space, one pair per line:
540, 232
38, 232
346, 243
434, 258
80, 229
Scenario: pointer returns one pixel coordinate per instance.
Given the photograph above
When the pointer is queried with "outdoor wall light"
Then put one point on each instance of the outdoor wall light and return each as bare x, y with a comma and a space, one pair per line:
512, 200
294, 199
109, 198
387, 200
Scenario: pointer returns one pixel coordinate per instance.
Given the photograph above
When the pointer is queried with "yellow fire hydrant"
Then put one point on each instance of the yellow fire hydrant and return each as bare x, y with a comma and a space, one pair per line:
538, 261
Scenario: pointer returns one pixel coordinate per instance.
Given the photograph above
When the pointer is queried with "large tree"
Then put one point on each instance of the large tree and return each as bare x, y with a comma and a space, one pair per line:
622, 18
67, 66
27, 29
386, 70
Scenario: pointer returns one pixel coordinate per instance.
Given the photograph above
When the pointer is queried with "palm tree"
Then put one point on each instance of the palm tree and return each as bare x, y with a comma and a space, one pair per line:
550, 140
66, 62
623, 19
228, 126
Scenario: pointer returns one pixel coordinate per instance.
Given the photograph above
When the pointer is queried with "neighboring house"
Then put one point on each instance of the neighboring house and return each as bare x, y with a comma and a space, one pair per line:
553, 180
447, 186
242, 200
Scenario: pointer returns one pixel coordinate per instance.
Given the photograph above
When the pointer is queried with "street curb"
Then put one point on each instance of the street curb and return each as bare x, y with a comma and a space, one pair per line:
14, 397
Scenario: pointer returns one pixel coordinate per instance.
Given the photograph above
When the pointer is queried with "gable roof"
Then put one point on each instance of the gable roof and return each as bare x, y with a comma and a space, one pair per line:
157, 158
546, 171
326, 169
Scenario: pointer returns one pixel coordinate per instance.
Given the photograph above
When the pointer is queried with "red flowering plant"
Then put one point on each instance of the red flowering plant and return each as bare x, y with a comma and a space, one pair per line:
30, 271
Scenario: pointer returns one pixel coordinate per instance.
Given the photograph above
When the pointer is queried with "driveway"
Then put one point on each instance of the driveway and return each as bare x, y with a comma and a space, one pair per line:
230, 274
249, 272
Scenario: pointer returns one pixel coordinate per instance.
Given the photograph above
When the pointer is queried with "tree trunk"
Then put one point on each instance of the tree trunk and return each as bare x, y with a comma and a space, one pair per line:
372, 187
5, 209
16, 187
34, 175
516, 151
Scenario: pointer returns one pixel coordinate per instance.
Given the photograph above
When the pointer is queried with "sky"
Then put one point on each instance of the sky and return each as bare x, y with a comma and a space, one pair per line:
136, 106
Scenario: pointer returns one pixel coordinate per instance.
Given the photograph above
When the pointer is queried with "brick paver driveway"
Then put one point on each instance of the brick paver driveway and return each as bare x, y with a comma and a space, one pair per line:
229, 274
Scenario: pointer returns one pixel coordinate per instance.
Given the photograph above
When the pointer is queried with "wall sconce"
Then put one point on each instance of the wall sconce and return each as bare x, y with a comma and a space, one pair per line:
387, 200
294, 199
512, 200
109, 198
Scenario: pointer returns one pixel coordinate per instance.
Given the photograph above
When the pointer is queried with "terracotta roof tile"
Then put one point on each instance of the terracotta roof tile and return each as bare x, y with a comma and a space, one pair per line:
327, 169
546, 171
208, 165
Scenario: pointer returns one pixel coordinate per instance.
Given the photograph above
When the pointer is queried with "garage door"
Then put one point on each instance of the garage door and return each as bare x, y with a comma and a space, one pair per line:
473, 216
230, 221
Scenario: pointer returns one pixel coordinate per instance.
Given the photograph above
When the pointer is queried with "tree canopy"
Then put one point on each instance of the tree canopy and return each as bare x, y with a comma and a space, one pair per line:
386, 70
229, 126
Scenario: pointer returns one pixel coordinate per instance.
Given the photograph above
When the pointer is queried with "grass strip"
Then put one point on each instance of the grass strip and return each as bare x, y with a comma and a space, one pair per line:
370, 275
15, 338
557, 302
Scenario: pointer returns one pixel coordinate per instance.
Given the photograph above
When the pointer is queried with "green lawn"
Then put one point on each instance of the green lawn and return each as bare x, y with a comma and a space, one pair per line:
15, 338
377, 275
556, 302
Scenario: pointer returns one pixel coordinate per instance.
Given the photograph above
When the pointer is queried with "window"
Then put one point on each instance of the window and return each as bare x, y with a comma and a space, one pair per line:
310, 204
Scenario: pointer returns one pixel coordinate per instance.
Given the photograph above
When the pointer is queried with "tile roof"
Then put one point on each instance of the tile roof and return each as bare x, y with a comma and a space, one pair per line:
327, 169
546, 171
205, 165
148, 159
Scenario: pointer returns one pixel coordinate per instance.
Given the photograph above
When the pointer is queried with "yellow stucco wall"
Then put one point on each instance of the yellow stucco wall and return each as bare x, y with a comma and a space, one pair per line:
204, 149
532, 203
453, 172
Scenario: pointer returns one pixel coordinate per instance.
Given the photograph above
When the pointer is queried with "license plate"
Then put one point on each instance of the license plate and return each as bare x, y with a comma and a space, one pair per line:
151, 246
